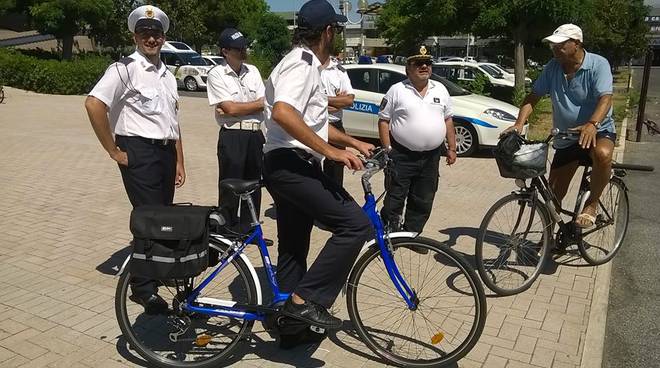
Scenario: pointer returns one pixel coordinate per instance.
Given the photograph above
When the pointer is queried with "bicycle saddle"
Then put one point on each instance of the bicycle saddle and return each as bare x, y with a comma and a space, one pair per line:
239, 186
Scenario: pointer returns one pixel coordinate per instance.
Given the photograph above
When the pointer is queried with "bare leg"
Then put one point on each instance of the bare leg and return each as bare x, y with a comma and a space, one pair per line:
601, 155
560, 179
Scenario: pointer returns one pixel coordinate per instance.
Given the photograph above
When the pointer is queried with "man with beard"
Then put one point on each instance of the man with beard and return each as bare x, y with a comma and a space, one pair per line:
580, 86
296, 141
415, 116
137, 101
236, 91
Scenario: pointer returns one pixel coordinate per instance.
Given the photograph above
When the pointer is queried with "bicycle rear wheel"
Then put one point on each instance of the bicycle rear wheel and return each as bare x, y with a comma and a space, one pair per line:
202, 341
450, 315
512, 244
601, 243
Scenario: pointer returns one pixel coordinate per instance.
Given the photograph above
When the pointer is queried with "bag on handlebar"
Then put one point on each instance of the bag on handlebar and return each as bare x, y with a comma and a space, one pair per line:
520, 159
170, 242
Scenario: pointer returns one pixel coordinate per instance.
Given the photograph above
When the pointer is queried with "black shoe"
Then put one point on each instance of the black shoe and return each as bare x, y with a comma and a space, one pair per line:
312, 313
304, 337
153, 304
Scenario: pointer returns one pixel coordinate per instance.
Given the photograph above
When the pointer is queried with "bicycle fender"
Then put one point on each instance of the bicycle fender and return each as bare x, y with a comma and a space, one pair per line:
398, 234
253, 271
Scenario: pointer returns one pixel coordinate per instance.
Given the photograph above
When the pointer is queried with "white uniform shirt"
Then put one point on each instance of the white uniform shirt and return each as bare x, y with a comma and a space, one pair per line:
142, 98
223, 84
334, 80
416, 122
296, 80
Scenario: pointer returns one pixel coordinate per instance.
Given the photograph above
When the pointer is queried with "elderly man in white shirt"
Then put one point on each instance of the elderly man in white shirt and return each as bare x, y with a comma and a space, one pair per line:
415, 117
137, 101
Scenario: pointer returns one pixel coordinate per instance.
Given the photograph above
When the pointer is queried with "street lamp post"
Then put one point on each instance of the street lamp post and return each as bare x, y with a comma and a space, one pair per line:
345, 7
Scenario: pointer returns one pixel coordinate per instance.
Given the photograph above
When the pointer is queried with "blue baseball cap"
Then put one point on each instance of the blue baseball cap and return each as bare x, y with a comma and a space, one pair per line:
316, 14
231, 38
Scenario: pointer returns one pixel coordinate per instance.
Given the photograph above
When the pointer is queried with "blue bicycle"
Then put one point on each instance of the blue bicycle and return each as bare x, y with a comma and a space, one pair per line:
413, 301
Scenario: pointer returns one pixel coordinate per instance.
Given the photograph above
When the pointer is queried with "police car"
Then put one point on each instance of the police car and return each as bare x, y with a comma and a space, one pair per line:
189, 68
478, 120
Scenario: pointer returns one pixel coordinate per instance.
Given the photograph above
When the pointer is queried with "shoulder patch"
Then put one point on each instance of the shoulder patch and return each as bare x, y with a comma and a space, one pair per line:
307, 57
126, 60
341, 68
383, 103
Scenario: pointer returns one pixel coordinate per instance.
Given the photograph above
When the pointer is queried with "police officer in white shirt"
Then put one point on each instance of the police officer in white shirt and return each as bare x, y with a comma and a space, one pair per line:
415, 116
236, 91
137, 101
337, 86
296, 140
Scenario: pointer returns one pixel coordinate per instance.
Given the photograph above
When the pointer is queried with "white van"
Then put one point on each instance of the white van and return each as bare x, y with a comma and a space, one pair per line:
189, 68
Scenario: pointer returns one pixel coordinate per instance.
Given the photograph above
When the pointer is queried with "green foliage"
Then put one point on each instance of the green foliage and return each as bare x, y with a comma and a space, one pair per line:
263, 63
271, 40
111, 31
534, 73
67, 18
519, 95
51, 76
479, 85
6, 6
187, 21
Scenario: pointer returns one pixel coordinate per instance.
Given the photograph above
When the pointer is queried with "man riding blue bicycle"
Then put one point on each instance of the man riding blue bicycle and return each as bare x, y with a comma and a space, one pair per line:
580, 86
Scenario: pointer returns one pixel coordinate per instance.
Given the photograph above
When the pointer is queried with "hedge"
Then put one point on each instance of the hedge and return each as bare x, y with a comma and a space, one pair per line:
51, 76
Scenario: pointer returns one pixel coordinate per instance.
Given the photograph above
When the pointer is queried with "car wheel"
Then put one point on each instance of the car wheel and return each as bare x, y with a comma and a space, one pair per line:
467, 141
190, 83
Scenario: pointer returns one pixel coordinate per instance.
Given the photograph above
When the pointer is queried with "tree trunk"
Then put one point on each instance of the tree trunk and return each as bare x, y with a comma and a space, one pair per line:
67, 47
519, 36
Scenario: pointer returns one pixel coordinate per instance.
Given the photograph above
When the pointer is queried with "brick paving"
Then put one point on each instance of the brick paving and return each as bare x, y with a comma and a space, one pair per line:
65, 223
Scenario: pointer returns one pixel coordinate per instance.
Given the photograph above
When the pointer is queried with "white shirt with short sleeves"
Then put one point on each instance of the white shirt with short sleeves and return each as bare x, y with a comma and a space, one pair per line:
334, 80
142, 98
416, 122
223, 84
296, 80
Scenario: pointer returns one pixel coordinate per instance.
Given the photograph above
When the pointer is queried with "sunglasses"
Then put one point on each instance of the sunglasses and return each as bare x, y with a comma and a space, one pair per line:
338, 28
147, 33
420, 63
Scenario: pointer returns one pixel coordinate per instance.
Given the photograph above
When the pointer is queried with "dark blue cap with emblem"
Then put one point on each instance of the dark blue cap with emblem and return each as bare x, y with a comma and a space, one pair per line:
231, 38
316, 14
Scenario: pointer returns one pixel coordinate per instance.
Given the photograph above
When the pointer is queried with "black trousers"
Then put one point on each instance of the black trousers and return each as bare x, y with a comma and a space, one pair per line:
240, 156
148, 179
333, 169
412, 183
302, 194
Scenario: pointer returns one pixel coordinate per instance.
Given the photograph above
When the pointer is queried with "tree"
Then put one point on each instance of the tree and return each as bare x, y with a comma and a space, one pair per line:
272, 38
616, 29
187, 21
6, 6
111, 30
67, 18
524, 21
405, 24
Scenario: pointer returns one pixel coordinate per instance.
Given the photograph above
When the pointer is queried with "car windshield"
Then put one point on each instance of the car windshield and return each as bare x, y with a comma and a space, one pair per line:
492, 71
452, 88
191, 58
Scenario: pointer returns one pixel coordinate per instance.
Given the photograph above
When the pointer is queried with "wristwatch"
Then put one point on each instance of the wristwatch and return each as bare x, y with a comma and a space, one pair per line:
595, 123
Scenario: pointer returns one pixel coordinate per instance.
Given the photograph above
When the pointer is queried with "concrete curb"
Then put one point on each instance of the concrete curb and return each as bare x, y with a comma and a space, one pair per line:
592, 355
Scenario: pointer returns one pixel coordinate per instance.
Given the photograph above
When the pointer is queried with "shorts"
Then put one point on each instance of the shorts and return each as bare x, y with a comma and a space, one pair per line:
573, 153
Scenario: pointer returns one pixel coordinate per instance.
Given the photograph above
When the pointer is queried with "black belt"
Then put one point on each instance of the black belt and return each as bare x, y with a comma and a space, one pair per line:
401, 148
301, 153
159, 142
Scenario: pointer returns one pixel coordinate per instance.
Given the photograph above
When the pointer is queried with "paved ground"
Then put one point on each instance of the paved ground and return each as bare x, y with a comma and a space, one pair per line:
65, 225
633, 328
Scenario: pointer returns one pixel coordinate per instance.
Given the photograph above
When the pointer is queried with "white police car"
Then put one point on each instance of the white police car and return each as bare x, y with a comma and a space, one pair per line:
478, 120
189, 68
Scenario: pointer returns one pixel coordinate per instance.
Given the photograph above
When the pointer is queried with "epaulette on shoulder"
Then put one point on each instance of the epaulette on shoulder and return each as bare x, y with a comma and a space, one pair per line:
341, 68
126, 60
307, 57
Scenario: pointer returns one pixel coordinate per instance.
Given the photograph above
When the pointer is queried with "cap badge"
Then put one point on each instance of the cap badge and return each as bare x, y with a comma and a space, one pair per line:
422, 50
149, 13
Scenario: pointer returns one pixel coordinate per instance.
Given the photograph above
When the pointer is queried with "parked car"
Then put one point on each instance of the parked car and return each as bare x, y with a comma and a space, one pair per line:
505, 73
384, 59
189, 68
478, 120
365, 59
213, 60
467, 71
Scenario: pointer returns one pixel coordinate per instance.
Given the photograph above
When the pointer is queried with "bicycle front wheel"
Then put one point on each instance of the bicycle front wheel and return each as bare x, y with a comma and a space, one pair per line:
601, 243
179, 338
450, 315
512, 244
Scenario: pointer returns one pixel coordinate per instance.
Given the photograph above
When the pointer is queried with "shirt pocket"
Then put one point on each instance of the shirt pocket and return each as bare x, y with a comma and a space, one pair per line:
149, 100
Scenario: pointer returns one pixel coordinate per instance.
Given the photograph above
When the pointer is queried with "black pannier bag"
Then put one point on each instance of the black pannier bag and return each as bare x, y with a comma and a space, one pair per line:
170, 242
519, 158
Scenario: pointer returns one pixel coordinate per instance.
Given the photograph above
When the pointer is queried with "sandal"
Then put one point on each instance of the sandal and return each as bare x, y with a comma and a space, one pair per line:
585, 220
